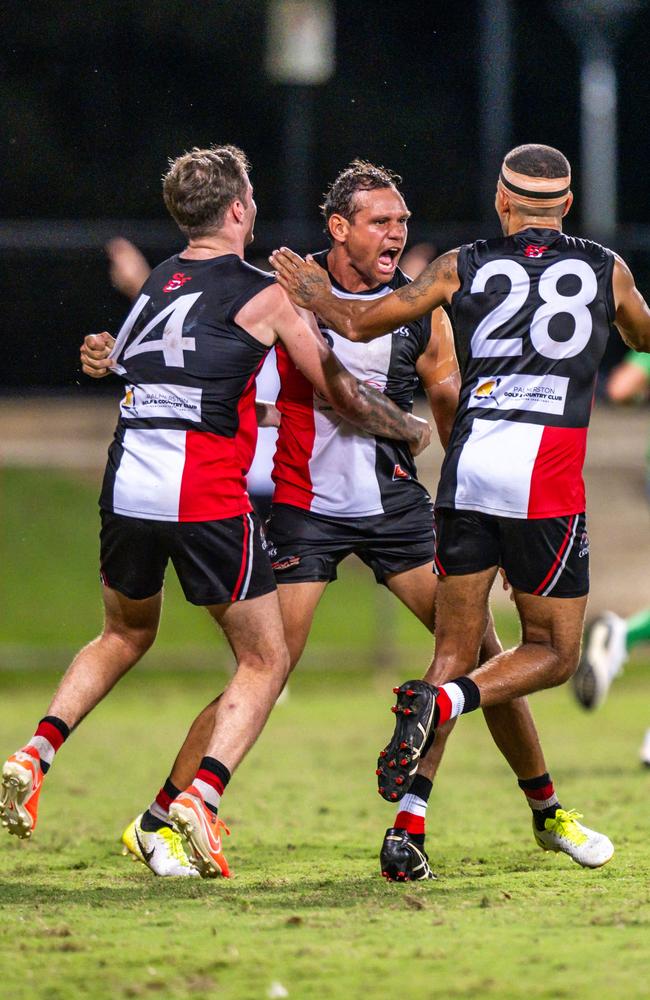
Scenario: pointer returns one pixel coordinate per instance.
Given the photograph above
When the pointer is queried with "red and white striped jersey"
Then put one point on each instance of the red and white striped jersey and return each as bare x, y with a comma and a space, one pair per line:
187, 428
323, 463
531, 320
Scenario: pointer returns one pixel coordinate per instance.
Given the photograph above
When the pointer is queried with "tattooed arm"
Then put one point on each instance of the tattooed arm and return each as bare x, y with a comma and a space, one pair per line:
308, 285
270, 315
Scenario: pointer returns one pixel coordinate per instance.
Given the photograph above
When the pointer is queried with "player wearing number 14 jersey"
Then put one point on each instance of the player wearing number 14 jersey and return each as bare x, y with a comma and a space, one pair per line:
532, 312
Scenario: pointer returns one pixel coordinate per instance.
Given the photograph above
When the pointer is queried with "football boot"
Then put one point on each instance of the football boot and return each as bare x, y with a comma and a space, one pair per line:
413, 735
22, 778
401, 859
160, 850
564, 834
201, 828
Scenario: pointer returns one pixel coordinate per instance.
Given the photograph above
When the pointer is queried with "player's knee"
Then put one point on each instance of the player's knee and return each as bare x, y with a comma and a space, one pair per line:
134, 641
568, 664
275, 660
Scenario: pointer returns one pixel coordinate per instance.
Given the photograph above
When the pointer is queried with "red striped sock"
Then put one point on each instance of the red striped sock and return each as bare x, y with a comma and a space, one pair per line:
541, 797
159, 808
413, 809
49, 737
211, 780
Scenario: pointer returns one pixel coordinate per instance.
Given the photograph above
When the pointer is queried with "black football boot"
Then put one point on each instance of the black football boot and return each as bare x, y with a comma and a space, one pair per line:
402, 860
414, 733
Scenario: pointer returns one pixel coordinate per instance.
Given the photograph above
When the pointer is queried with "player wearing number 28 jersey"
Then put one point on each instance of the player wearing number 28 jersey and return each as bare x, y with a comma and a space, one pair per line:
531, 316
532, 312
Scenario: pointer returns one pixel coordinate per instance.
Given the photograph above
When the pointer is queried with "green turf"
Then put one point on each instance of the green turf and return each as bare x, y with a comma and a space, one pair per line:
51, 598
306, 907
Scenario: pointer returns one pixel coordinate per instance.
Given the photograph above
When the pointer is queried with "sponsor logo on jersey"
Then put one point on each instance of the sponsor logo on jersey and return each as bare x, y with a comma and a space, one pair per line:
485, 390
402, 331
399, 473
533, 251
128, 403
177, 281
536, 393
171, 401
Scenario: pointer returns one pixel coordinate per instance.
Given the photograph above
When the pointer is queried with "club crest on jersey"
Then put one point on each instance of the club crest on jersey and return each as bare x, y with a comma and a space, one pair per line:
486, 389
533, 251
177, 281
399, 473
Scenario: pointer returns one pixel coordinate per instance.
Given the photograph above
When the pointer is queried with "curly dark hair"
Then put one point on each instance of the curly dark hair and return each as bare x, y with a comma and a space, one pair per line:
536, 160
200, 185
360, 175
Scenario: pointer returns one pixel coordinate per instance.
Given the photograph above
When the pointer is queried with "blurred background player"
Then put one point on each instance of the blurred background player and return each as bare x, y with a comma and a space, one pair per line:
609, 638
174, 488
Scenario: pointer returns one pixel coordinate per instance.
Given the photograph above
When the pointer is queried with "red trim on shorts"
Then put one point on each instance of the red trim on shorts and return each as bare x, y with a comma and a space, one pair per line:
441, 570
558, 556
244, 563
557, 473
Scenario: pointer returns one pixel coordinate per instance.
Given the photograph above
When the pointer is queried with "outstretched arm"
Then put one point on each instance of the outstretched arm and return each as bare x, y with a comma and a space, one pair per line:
632, 312
309, 287
437, 369
129, 268
270, 315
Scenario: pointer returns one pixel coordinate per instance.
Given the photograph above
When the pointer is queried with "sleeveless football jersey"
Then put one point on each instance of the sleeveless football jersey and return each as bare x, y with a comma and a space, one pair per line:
187, 428
531, 320
327, 465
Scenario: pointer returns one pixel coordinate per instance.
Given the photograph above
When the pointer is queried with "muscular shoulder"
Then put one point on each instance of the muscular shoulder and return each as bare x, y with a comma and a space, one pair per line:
268, 300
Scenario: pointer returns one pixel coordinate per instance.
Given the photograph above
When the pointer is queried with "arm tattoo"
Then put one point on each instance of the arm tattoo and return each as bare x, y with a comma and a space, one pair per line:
380, 416
310, 286
440, 271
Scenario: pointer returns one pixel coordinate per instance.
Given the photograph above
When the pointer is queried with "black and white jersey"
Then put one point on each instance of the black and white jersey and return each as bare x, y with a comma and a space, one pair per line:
187, 427
531, 320
327, 465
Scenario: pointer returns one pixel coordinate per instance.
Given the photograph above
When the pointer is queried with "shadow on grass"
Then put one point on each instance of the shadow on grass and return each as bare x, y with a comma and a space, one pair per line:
350, 884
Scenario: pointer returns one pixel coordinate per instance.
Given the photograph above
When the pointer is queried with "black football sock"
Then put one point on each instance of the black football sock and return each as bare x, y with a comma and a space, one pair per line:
541, 798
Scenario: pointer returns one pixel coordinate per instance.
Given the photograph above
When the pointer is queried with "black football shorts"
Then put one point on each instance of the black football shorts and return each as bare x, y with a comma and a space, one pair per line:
547, 556
306, 547
216, 562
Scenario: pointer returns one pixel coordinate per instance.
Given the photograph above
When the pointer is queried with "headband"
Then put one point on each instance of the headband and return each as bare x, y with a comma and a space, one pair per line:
534, 192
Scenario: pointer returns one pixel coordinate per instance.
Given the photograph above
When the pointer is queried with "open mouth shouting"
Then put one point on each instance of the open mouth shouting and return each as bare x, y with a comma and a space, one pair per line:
387, 260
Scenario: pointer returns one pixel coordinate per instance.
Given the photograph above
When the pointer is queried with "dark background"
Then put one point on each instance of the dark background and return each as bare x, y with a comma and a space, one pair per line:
96, 97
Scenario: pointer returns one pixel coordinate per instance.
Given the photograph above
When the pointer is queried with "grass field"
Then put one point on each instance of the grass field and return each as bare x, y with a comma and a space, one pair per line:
306, 913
